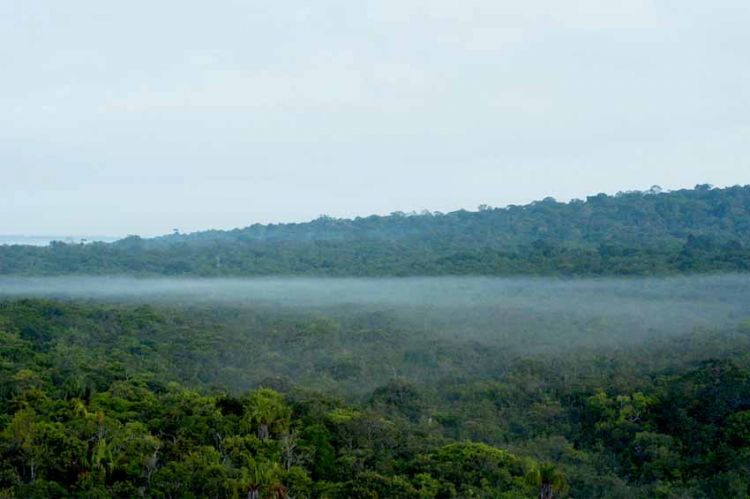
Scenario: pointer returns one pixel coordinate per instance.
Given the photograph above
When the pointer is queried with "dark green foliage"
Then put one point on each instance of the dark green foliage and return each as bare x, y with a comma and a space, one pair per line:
560, 391
127, 401
635, 233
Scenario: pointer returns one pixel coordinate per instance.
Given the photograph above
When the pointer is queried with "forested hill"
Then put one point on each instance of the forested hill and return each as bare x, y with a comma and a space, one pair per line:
697, 230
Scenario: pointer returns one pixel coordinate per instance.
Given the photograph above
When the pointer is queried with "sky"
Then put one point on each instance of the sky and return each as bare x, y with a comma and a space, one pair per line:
139, 117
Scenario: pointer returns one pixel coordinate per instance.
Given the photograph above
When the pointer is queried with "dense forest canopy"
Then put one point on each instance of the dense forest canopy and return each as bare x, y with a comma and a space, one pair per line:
200, 400
596, 348
635, 233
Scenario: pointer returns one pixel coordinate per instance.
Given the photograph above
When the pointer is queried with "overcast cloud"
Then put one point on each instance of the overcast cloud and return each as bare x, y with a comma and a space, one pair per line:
141, 116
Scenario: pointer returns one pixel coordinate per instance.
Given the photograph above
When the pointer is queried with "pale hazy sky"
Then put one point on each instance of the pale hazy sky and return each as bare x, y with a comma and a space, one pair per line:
141, 116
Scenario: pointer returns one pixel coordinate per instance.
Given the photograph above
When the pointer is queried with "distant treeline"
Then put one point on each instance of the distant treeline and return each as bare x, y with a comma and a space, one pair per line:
703, 229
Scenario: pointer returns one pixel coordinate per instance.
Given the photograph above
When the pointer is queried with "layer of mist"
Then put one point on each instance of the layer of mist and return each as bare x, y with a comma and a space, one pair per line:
518, 312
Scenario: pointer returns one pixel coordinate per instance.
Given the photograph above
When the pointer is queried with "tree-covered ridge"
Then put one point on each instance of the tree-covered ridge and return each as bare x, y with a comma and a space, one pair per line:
93, 403
699, 230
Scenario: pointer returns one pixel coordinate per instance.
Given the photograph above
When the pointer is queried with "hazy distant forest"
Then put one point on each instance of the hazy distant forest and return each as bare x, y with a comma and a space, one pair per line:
635, 233
596, 348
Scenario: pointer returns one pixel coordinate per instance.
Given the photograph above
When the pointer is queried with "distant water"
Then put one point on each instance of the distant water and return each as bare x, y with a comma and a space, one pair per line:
45, 240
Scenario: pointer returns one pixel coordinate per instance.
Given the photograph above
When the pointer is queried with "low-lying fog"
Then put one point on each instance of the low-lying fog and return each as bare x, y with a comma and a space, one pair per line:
525, 310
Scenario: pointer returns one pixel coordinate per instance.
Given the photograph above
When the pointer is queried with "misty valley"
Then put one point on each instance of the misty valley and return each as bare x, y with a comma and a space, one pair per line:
431, 387
392, 249
588, 349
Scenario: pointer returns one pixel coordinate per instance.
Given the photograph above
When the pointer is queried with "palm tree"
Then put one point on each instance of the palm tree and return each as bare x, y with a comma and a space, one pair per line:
254, 479
263, 476
550, 480
267, 409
